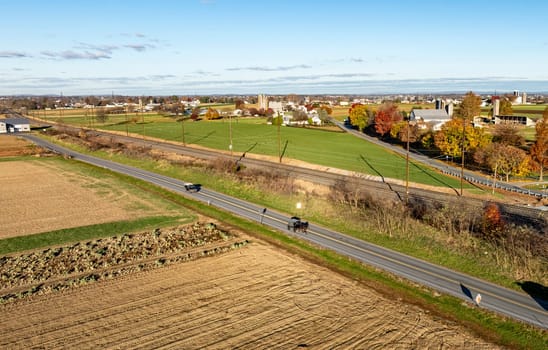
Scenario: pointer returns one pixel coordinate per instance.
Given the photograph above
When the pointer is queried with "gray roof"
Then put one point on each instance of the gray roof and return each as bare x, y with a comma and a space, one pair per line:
430, 114
14, 121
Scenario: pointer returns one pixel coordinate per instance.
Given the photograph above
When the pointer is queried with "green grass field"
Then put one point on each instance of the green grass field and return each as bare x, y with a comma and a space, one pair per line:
313, 145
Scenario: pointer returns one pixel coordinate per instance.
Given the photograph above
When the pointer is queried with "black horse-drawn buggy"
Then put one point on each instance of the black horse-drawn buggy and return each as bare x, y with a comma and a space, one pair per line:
297, 225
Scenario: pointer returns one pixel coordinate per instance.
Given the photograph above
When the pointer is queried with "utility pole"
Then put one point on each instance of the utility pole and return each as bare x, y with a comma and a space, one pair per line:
183, 128
230, 133
279, 121
407, 166
127, 130
462, 154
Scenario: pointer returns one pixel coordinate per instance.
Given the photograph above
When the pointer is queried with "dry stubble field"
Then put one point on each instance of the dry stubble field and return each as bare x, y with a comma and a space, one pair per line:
255, 296
44, 195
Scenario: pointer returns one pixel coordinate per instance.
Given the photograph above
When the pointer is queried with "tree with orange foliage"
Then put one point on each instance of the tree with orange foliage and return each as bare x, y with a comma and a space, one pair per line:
539, 151
503, 159
212, 114
492, 219
326, 108
386, 116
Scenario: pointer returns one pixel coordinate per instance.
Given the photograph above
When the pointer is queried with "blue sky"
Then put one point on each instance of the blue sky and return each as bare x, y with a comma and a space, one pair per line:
189, 47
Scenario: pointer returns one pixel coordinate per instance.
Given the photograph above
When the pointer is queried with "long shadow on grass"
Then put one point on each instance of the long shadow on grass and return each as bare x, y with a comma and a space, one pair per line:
203, 137
285, 149
380, 175
243, 155
421, 169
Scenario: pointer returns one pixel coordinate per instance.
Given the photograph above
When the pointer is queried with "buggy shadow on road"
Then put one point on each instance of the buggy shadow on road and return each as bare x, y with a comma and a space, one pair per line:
537, 291
466, 291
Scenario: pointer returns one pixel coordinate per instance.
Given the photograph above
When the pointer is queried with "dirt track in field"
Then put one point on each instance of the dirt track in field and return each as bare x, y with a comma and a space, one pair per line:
255, 297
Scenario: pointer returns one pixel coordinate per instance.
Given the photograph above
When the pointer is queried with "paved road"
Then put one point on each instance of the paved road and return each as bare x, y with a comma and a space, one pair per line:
511, 303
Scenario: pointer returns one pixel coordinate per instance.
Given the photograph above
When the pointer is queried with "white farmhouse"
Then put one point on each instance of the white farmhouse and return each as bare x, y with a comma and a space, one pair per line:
433, 117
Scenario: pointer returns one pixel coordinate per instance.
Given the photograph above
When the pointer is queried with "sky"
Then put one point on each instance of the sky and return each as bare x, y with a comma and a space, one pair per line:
198, 47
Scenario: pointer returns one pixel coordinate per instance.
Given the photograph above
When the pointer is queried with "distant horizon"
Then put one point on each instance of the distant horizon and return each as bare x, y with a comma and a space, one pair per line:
435, 93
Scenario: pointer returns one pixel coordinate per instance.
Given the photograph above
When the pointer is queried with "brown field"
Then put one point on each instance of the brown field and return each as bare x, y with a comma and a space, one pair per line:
40, 196
39, 199
12, 146
253, 297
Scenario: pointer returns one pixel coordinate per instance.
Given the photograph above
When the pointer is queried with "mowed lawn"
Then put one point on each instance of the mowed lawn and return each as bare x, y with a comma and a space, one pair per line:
313, 145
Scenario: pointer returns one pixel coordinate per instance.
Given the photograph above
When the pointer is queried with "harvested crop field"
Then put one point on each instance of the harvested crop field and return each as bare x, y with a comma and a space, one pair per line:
47, 194
40, 198
246, 296
11, 146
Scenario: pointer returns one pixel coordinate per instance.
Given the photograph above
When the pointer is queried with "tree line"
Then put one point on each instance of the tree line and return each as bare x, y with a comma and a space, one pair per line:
500, 149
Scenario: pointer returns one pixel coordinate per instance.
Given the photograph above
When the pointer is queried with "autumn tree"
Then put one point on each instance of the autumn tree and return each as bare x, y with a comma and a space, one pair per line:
514, 162
101, 115
508, 134
386, 116
539, 151
195, 114
493, 224
506, 107
323, 115
325, 108
403, 130
359, 116
300, 115
212, 114
469, 107
503, 159
450, 138
239, 104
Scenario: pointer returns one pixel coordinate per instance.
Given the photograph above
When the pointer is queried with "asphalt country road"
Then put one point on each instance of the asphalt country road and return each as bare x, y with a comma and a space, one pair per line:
520, 306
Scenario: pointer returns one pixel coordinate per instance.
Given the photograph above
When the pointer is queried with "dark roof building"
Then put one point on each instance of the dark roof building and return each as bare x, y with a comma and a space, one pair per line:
9, 125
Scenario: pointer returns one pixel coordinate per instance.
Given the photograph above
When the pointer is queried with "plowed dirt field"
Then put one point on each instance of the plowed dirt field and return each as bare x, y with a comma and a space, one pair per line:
254, 297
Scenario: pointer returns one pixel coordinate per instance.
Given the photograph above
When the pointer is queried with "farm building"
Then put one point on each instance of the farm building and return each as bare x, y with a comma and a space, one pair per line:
433, 117
10, 125
514, 119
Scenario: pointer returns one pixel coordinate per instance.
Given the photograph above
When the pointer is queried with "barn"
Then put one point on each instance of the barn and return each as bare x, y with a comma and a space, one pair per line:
434, 118
10, 125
